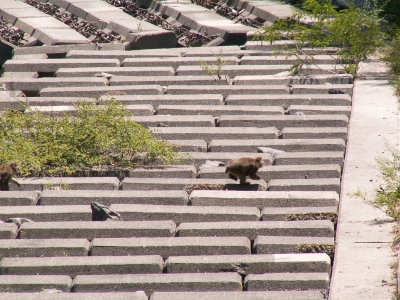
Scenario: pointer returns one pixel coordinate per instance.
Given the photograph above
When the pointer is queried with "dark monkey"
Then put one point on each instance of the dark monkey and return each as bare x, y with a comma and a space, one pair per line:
244, 166
6, 174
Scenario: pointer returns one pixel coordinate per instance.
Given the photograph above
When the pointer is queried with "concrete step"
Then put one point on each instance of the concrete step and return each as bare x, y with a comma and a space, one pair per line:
280, 121
82, 265
183, 171
293, 213
287, 145
8, 230
289, 60
180, 214
146, 184
140, 295
85, 197
263, 199
246, 75
290, 244
174, 246
287, 100
210, 133
115, 71
163, 80
89, 230
150, 283
218, 110
280, 172
177, 121
246, 295
33, 284
250, 264
44, 248
233, 71
311, 184
319, 110
18, 198
315, 133
287, 281
190, 145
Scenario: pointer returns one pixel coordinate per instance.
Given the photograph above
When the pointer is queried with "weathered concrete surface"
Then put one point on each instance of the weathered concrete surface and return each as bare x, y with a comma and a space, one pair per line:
363, 252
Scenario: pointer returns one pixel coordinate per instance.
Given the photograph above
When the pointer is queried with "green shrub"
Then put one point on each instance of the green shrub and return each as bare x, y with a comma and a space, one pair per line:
99, 135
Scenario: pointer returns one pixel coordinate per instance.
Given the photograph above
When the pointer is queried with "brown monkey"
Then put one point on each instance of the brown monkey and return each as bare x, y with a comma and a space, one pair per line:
6, 173
244, 166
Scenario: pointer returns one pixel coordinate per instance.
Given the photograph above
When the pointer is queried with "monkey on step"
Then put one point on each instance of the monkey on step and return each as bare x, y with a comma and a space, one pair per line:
244, 166
6, 173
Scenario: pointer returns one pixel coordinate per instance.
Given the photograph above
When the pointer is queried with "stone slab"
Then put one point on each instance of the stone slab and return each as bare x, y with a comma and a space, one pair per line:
173, 246
97, 91
150, 283
114, 71
323, 89
146, 184
309, 158
282, 59
218, 110
287, 100
289, 145
288, 244
248, 76
176, 121
85, 197
47, 213
315, 133
311, 184
179, 214
300, 213
18, 198
200, 158
184, 171
190, 145
59, 36
33, 283
162, 80
252, 229
72, 183
140, 295
283, 121
286, 281
210, 133
246, 295
8, 230
250, 264
81, 265
319, 110
91, 230
263, 199
44, 248
233, 71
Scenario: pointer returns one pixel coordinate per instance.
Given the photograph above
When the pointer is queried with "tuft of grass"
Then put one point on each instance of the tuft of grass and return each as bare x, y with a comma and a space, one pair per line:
99, 135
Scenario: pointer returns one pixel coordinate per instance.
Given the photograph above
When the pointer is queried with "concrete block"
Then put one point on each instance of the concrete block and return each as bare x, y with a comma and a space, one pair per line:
44, 248
262, 199
287, 100
319, 110
226, 90
218, 110
252, 229
115, 71
33, 283
179, 214
52, 65
246, 295
140, 295
254, 78
176, 121
323, 89
210, 133
81, 265
147, 184
233, 71
266, 46
282, 59
200, 158
315, 133
48, 213
90, 230
286, 281
85, 197
289, 145
59, 36
9, 198
190, 145
175, 62
8, 230
317, 184
97, 91
71, 183
310, 158
162, 80
300, 213
58, 51
150, 283
185, 171
250, 264
288, 244
30, 24
270, 13
173, 246
157, 100
95, 54
280, 122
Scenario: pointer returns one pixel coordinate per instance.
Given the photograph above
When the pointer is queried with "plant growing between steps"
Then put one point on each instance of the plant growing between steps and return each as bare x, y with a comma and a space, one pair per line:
99, 135
355, 32
215, 70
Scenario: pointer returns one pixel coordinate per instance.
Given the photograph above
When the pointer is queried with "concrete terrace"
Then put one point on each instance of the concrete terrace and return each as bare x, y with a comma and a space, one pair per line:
298, 233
